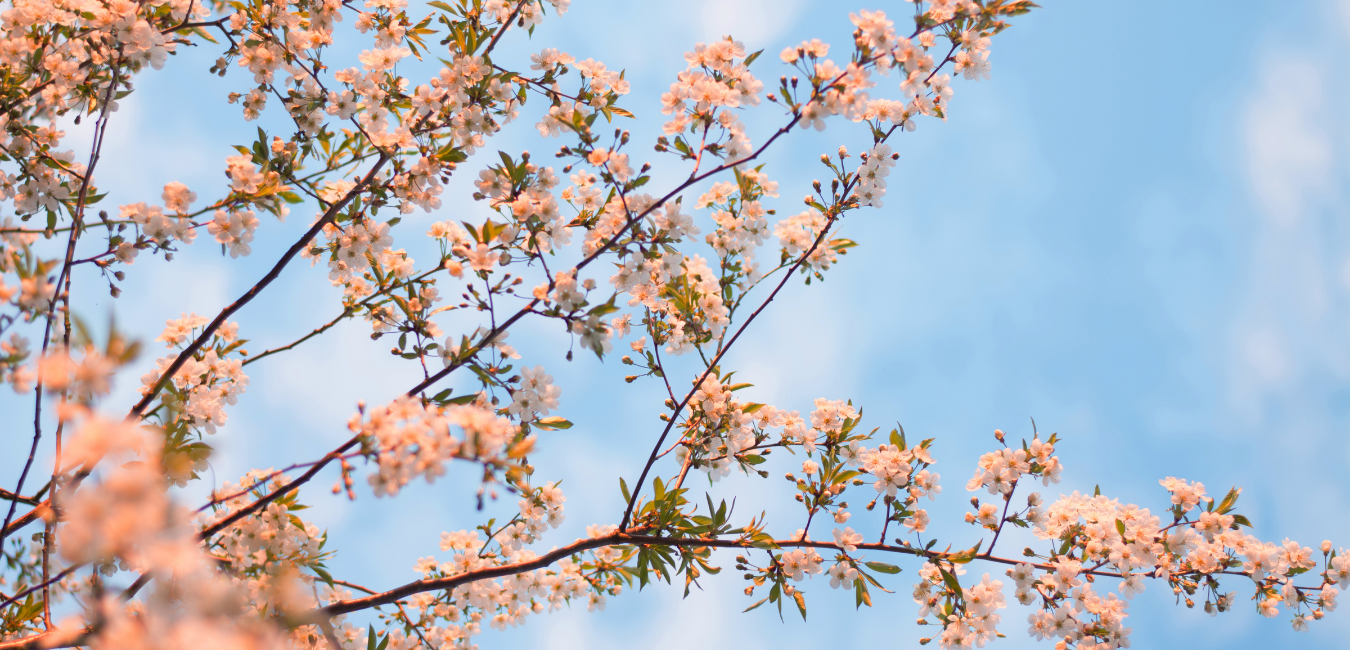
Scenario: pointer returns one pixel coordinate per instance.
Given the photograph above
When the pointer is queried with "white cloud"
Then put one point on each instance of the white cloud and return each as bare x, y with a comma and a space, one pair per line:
1266, 355
1290, 328
1288, 148
756, 23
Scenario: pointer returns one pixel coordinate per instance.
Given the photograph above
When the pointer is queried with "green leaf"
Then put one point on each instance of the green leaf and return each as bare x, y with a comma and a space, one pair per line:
898, 438
952, 582
751, 59
1242, 520
642, 567
881, 567
30, 610
756, 605
964, 557
323, 574
1229, 501
370, 642
553, 422
605, 309
1096, 490
860, 594
801, 602
1120, 527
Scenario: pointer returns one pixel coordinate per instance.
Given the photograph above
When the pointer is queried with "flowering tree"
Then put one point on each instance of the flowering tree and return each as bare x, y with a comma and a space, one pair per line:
100, 550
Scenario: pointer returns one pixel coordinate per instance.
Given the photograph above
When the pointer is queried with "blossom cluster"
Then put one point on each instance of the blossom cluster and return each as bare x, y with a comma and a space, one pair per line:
1189, 554
122, 518
408, 439
536, 396
975, 623
453, 617
1000, 470
718, 430
208, 381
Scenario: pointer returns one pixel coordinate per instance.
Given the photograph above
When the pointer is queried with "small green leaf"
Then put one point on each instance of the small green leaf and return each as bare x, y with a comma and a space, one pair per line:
952, 582
898, 438
861, 596
881, 567
323, 575
756, 605
964, 557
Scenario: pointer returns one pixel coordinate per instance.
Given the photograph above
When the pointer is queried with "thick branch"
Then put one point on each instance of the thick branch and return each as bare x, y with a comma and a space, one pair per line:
614, 539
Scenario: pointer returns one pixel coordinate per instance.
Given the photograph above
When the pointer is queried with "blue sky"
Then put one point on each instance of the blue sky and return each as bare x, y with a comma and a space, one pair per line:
1136, 233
